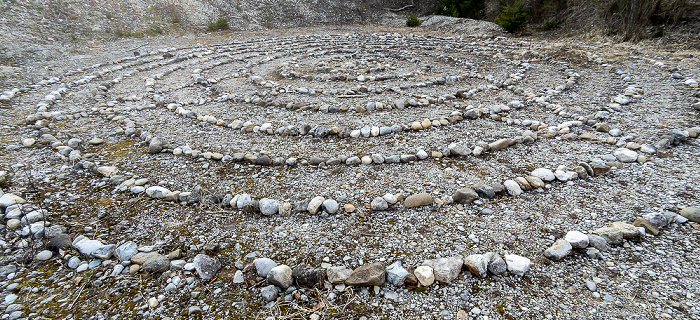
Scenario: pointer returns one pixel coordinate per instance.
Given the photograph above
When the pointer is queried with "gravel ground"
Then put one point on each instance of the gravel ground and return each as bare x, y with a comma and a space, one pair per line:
248, 79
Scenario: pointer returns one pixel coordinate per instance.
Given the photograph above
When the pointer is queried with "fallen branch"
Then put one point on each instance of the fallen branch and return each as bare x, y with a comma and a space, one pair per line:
402, 8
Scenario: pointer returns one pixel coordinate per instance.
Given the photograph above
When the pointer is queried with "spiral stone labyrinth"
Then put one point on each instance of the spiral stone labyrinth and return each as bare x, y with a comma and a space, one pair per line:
396, 154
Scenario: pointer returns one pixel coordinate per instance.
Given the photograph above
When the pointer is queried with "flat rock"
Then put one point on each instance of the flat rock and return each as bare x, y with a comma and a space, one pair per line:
628, 230
649, 227
9, 199
126, 250
107, 171
513, 188
625, 155
368, 275
657, 219
152, 262
611, 235
560, 249
338, 274
93, 248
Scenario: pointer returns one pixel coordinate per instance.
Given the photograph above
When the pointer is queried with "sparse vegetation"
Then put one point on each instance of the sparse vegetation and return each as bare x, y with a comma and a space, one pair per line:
513, 15
154, 30
219, 24
412, 20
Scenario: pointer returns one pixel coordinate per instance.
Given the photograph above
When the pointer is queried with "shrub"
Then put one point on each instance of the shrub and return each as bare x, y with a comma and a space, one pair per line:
512, 17
461, 8
548, 25
219, 24
122, 33
154, 30
412, 21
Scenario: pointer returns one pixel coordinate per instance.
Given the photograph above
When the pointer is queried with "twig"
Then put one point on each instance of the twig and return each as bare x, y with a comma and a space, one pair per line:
78, 296
402, 8
352, 96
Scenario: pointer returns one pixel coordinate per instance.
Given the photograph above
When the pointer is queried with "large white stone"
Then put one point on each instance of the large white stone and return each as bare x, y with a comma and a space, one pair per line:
517, 265
544, 174
577, 239
625, 155
425, 275
9, 199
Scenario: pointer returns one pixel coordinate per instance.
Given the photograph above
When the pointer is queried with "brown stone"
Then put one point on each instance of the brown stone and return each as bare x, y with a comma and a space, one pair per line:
644, 223
368, 275
417, 200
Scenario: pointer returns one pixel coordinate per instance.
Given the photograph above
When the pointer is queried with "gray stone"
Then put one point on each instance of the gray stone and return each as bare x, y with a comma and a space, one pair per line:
445, 269
126, 250
496, 264
155, 145
44, 255
513, 188
625, 155
238, 277
691, 213
598, 242
477, 264
73, 262
657, 219
243, 199
263, 266
379, 204
458, 150
206, 266
269, 207
395, 274
465, 196
484, 191
280, 276
93, 248
152, 262
543, 174
59, 242
560, 249
269, 293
